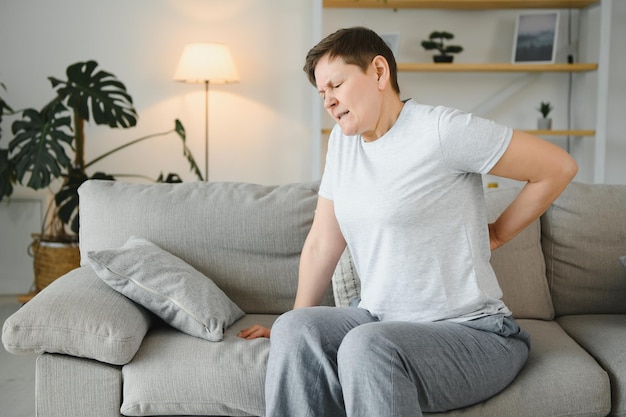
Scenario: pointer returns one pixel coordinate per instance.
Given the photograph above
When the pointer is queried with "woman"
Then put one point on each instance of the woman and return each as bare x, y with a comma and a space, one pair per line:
402, 188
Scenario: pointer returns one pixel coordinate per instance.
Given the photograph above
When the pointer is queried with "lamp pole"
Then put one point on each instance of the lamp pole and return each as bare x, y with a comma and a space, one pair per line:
206, 131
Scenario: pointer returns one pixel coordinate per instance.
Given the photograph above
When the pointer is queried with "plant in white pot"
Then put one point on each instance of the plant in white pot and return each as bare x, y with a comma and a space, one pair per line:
544, 122
50, 143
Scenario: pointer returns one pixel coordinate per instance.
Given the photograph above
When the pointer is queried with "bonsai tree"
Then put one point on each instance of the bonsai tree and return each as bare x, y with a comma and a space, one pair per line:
545, 109
436, 41
38, 152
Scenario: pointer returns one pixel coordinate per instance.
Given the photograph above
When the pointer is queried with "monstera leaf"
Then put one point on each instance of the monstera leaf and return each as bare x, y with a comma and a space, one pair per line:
39, 145
66, 199
99, 91
6, 174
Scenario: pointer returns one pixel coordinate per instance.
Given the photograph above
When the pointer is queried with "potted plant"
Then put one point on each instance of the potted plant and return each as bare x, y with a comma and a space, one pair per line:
37, 153
436, 41
544, 122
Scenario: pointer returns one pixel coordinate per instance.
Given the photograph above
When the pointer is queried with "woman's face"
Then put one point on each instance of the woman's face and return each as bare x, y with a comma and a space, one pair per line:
351, 96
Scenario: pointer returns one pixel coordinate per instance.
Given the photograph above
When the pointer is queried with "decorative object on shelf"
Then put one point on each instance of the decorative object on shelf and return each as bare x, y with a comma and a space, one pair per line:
208, 63
436, 41
535, 37
37, 153
544, 122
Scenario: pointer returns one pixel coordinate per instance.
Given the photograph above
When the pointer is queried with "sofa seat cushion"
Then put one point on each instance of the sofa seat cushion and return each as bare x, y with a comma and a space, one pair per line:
559, 379
78, 315
176, 374
604, 337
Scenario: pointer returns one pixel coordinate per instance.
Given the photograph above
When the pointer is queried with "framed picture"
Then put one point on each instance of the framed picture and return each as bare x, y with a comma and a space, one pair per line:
392, 39
535, 37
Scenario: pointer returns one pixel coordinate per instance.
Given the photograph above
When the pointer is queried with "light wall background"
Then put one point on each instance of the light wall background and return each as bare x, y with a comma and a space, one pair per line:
264, 129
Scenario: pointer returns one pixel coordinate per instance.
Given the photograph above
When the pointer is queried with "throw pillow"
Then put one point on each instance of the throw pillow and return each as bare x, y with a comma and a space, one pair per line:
346, 282
622, 259
168, 286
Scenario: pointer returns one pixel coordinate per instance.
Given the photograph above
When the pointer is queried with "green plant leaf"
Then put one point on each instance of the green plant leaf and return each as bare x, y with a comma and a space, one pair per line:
6, 174
39, 146
96, 96
66, 199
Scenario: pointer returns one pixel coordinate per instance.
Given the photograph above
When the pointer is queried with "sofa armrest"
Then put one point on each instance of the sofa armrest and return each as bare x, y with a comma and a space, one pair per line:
78, 315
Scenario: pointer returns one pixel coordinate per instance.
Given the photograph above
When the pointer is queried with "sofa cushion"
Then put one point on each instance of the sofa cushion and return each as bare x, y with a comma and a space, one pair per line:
175, 374
604, 337
78, 315
246, 237
345, 281
519, 266
559, 379
167, 286
583, 235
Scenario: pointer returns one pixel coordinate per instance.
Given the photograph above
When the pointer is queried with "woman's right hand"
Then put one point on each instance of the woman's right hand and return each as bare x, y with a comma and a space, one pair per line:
254, 332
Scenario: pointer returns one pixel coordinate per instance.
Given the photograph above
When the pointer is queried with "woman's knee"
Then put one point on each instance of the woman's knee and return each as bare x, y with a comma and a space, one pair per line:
364, 346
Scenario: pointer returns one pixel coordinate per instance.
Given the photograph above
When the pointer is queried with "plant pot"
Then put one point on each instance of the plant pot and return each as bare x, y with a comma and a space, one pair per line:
544, 123
443, 58
52, 260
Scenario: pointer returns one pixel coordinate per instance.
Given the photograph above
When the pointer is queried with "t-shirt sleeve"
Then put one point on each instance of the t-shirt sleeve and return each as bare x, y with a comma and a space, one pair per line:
470, 143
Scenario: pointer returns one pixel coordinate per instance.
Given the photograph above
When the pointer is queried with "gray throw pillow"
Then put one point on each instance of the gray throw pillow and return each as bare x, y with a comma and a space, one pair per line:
168, 286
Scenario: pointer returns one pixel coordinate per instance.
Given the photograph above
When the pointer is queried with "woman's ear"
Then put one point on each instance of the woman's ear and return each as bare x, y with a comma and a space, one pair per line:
381, 66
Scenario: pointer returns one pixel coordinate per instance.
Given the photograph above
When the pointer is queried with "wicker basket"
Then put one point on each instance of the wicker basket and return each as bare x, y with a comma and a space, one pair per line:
52, 260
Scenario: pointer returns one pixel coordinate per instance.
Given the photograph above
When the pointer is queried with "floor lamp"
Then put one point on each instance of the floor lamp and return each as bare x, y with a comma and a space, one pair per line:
207, 63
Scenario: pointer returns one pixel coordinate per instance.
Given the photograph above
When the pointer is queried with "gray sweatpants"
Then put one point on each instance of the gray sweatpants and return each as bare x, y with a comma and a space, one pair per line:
331, 362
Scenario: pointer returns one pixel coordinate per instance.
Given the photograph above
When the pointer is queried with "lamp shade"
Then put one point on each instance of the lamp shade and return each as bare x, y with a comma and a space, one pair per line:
202, 62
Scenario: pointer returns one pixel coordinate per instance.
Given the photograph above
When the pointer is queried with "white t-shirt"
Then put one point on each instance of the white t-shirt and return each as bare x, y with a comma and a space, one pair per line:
411, 208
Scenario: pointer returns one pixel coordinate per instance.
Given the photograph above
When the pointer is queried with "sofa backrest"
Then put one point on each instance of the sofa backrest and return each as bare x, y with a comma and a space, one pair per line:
583, 236
247, 238
519, 264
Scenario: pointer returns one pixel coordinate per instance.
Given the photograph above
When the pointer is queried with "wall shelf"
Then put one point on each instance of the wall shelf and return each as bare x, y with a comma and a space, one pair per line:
600, 68
460, 4
496, 67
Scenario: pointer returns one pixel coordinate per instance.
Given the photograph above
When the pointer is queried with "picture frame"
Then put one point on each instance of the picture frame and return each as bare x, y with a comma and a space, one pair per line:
392, 39
535, 37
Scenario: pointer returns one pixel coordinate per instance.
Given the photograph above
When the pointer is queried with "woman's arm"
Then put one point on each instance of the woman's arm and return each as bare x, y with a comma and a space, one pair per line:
546, 168
320, 254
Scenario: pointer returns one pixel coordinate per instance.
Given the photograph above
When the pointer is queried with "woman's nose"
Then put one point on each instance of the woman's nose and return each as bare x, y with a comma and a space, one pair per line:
329, 101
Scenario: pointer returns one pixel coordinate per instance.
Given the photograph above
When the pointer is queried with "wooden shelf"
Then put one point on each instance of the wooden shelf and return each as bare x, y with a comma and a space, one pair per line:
461, 4
562, 132
497, 67
327, 131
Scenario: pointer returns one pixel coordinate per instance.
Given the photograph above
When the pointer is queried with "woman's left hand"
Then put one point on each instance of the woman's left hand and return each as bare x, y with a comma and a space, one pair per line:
254, 332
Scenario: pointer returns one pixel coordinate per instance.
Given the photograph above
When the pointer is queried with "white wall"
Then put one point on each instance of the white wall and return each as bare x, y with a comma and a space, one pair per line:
259, 128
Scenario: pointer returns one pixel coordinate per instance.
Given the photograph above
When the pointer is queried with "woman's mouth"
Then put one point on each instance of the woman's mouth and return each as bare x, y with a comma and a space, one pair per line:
341, 115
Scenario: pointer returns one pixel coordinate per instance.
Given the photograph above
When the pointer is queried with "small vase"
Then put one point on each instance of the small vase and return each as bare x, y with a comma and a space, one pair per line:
443, 58
544, 123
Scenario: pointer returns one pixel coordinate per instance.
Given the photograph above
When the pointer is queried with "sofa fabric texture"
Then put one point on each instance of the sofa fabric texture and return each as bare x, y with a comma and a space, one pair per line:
167, 286
79, 315
265, 226
104, 355
583, 241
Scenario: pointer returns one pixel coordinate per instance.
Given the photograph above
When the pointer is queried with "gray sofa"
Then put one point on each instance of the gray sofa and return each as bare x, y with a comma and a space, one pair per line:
103, 355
